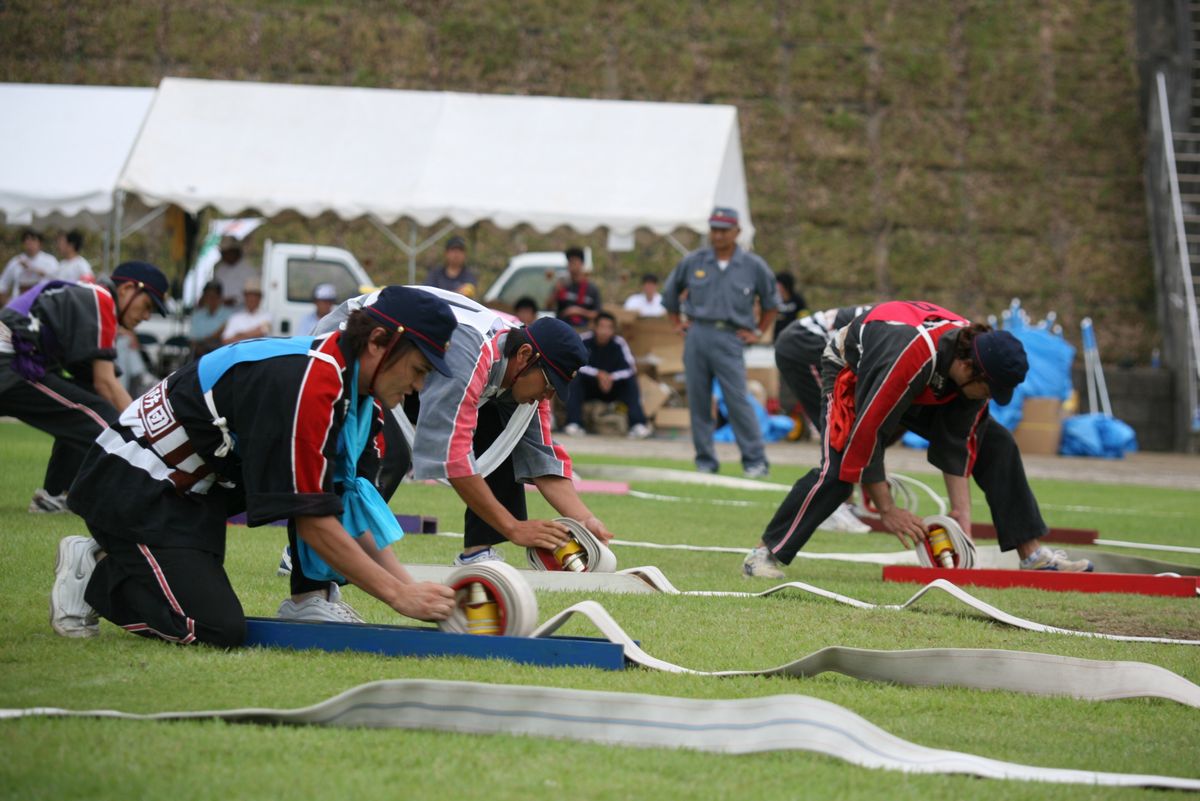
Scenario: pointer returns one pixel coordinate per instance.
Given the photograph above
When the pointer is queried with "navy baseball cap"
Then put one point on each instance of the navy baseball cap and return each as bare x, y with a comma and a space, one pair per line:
1000, 360
423, 317
148, 278
723, 217
456, 242
560, 348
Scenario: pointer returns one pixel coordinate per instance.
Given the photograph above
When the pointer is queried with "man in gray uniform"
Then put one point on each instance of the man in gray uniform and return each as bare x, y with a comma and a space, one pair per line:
722, 282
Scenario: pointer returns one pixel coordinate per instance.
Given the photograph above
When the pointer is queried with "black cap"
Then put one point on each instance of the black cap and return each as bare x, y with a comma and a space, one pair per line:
560, 348
1000, 360
423, 317
456, 242
149, 279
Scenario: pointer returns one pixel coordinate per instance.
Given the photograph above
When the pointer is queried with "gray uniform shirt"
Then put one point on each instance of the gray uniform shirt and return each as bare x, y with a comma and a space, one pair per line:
443, 445
721, 296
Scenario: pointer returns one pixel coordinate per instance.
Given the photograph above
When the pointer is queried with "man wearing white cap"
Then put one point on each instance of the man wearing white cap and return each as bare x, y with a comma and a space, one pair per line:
251, 322
324, 299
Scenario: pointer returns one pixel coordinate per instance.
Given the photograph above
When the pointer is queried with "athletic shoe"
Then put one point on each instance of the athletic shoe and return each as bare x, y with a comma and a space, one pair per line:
711, 469
844, 519
761, 563
316, 609
1045, 559
70, 615
574, 430
640, 431
46, 504
757, 471
285, 562
488, 554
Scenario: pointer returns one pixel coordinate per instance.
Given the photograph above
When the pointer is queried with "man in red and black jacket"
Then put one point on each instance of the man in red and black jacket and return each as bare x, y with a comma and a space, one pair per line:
918, 366
576, 301
57, 347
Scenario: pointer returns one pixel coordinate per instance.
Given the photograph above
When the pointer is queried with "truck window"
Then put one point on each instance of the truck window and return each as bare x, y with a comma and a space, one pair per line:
303, 275
531, 281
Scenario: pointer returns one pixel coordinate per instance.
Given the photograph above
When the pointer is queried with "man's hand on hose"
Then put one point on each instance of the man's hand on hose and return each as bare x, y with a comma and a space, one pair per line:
425, 600
594, 525
537, 534
907, 527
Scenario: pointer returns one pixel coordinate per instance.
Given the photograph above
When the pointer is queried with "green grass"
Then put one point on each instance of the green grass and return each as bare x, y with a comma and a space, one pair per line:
111, 759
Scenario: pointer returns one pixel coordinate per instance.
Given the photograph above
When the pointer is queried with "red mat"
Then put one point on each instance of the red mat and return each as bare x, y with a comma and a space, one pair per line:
1130, 583
986, 531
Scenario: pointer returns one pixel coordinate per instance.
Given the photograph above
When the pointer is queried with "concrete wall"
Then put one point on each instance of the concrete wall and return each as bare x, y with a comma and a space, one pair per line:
1143, 397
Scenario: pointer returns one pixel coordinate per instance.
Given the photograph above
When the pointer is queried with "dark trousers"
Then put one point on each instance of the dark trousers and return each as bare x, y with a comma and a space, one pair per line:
586, 387
179, 595
386, 475
998, 472
502, 482
798, 357
68, 411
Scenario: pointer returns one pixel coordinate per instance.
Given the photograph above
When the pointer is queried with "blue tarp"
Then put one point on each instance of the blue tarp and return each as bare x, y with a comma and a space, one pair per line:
774, 427
1097, 435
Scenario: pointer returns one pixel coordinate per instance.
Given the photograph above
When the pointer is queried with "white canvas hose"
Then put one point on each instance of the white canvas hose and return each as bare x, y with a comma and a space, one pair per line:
517, 605
741, 726
597, 558
964, 547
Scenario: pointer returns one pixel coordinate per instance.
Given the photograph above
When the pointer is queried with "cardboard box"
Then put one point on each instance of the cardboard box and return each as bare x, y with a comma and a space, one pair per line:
625, 319
678, 419
1040, 429
654, 394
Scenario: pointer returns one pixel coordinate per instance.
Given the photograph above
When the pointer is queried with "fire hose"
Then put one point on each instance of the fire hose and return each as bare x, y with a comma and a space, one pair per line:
582, 553
740, 726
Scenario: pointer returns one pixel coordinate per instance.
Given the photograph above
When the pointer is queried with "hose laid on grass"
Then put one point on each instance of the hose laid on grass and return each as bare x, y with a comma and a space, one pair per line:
740, 726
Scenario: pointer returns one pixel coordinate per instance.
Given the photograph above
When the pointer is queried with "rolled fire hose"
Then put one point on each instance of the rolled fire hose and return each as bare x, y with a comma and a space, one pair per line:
904, 492
961, 550
507, 602
741, 726
591, 555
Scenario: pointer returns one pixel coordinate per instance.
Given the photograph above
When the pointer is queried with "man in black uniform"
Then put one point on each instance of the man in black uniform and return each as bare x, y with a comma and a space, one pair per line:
609, 375
57, 347
274, 427
577, 300
916, 365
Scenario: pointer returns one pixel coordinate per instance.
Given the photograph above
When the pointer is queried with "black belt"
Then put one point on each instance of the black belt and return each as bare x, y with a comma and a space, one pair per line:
720, 325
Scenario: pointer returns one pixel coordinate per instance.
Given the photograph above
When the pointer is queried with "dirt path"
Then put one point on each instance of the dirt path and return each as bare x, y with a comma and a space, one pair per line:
1173, 470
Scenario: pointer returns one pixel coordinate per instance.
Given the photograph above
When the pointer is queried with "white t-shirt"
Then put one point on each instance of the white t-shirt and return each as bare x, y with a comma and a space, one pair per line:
244, 321
75, 268
22, 272
646, 308
233, 279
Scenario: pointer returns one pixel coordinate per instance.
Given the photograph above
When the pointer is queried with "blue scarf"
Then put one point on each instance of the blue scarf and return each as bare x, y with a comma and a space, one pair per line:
363, 508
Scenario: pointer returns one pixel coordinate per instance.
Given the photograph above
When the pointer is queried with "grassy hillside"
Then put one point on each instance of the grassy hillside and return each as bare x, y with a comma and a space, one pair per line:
962, 151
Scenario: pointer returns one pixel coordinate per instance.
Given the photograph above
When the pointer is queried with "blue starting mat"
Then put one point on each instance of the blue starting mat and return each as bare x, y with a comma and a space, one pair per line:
425, 642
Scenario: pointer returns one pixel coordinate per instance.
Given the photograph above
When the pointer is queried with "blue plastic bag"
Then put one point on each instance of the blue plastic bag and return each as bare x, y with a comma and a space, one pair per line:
1097, 435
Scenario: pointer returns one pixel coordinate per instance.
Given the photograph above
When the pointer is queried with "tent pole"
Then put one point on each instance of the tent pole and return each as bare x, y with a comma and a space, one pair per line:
412, 253
118, 213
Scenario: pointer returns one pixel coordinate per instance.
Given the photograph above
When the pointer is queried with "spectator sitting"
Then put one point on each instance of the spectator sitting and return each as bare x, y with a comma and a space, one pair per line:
576, 300
526, 310
233, 272
208, 320
27, 268
454, 274
73, 267
609, 375
325, 298
251, 322
648, 302
791, 302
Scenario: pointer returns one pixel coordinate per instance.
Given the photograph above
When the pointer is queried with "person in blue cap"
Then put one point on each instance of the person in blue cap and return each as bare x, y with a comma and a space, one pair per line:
717, 288
915, 365
57, 353
485, 426
279, 428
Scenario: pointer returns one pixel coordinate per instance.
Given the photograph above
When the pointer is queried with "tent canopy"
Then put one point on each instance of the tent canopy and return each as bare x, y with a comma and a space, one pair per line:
62, 148
433, 156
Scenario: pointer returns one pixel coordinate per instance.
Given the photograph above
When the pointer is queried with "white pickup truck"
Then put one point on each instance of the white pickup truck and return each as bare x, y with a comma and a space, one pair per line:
290, 272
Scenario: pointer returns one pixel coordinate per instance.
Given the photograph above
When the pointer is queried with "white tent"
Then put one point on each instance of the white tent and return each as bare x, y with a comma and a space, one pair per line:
62, 148
439, 156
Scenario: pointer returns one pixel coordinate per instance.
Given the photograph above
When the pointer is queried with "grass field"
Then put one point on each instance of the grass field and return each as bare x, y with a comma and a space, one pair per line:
62, 759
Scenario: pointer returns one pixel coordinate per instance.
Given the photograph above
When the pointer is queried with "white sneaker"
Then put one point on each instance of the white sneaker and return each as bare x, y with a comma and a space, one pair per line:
70, 615
488, 554
574, 430
285, 562
1045, 559
761, 563
44, 503
640, 431
316, 609
845, 520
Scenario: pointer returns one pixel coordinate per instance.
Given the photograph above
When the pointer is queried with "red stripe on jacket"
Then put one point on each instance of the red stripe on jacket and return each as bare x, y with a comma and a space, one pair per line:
106, 317
466, 417
864, 437
319, 394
